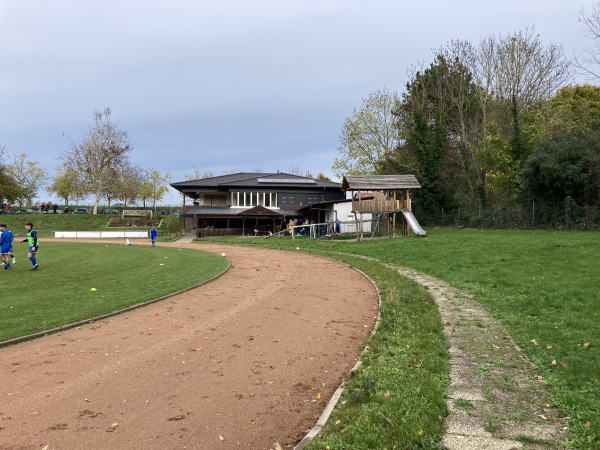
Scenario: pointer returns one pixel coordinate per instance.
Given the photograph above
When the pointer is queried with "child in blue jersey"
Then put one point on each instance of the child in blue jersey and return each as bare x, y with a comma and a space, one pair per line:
33, 245
6, 241
153, 235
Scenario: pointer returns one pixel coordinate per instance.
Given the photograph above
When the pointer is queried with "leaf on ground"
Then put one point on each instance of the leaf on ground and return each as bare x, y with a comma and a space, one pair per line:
389, 421
543, 417
588, 423
563, 364
553, 363
221, 438
534, 342
387, 394
586, 344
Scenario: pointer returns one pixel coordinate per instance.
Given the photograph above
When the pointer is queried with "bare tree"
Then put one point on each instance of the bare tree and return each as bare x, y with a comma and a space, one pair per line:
368, 135
519, 67
101, 155
590, 57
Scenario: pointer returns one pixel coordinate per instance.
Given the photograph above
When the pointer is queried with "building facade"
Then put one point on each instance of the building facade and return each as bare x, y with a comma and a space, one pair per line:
236, 203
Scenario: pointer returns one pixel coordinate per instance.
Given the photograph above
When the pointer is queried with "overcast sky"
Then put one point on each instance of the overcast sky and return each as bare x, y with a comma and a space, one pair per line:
229, 85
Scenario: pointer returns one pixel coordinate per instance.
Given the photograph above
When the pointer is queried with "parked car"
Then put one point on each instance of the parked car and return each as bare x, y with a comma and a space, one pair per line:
119, 204
81, 211
111, 211
24, 211
162, 212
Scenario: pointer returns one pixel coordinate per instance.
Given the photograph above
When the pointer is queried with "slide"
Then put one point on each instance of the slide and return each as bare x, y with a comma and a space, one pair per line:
412, 221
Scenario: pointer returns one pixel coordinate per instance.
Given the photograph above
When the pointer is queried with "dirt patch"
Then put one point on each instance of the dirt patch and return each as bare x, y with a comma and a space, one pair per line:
246, 361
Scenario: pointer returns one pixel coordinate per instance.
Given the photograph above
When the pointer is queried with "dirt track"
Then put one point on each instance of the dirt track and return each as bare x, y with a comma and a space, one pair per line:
246, 361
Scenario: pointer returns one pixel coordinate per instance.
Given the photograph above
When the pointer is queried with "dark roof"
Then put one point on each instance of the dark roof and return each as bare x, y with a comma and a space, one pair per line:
227, 211
260, 211
379, 182
262, 180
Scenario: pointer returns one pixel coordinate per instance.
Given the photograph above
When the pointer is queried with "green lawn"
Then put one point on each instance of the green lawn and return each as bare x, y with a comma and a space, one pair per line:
543, 285
76, 281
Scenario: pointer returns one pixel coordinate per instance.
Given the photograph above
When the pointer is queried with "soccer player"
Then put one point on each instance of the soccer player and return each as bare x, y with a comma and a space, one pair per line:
153, 234
6, 240
33, 244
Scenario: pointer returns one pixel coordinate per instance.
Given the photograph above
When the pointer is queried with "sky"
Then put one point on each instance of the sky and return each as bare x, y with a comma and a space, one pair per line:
229, 85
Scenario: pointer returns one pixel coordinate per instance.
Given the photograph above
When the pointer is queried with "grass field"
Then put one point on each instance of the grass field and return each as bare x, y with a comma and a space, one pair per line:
47, 224
543, 285
60, 292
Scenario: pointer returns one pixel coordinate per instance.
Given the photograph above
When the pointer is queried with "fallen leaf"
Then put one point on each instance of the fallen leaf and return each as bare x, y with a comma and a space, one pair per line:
390, 421
221, 437
337, 422
563, 364
318, 395
553, 363
543, 417
534, 342
421, 432
586, 344
93, 289
548, 347
387, 394
588, 424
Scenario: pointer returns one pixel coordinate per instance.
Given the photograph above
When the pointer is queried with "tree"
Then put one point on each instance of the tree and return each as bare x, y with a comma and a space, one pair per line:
368, 136
9, 189
128, 185
565, 157
28, 175
101, 155
589, 59
154, 187
67, 185
197, 174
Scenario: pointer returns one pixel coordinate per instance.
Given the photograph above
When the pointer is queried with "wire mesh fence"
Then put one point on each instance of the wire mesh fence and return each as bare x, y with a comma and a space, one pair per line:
530, 215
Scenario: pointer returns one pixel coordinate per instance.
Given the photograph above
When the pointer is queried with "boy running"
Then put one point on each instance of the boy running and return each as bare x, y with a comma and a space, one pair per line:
33, 244
6, 240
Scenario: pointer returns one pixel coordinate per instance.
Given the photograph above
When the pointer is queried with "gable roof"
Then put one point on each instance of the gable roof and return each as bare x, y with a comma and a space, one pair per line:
379, 182
262, 180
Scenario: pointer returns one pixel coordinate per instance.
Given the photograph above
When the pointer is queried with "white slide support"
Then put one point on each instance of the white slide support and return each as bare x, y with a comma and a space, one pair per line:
412, 221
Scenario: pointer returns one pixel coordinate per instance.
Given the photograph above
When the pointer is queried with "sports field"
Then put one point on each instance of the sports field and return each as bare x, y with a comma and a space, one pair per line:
76, 281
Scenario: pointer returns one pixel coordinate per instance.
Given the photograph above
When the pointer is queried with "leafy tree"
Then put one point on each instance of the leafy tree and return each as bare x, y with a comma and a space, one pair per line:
368, 136
567, 166
128, 185
565, 157
154, 186
438, 119
9, 189
67, 185
28, 175
101, 155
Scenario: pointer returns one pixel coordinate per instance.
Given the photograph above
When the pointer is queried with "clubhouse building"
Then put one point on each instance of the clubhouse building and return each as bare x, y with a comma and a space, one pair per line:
238, 203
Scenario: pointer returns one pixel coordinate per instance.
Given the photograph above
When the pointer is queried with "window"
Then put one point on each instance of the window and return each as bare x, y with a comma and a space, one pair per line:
250, 199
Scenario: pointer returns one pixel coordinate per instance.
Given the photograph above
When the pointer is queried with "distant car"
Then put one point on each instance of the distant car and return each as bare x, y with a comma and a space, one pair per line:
81, 211
111, 211
119, 204
162, 212
51, 211
24, 211
177, 213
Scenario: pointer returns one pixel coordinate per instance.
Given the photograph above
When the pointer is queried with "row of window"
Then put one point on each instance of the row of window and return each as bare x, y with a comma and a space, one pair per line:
249, 199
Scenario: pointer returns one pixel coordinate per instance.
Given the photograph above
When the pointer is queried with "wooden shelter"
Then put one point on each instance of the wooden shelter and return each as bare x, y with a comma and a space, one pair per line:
383, 195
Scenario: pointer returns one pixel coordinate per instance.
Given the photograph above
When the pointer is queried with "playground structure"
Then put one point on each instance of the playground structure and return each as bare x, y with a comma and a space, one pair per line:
383, 196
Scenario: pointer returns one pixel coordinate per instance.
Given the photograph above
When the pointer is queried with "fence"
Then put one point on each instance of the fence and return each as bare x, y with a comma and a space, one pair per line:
531, 215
